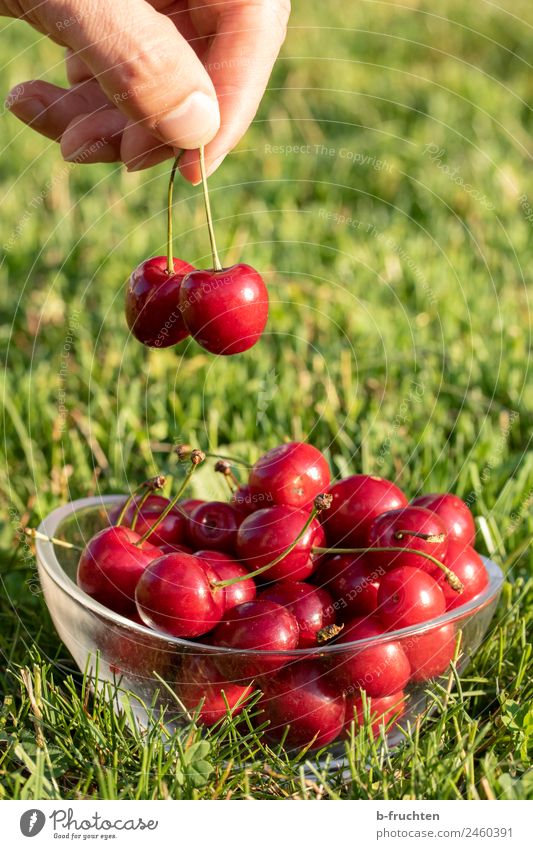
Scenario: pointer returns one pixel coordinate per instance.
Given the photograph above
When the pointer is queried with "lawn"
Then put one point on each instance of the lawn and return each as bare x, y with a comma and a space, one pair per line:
385, 191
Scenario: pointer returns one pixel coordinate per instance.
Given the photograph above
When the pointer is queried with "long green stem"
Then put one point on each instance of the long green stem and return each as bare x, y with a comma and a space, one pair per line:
216, 262
151, 486
127, 503
451, 577
229, 581
170, 252
196, 458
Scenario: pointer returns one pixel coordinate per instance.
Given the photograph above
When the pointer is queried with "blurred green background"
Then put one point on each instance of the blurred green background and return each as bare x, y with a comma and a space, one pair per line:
396, 240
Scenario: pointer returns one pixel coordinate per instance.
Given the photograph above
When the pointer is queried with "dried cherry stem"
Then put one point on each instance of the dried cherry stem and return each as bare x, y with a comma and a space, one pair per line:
420, 535
321, 502
450, 577
217, 265
150, 486
196, 458
30, 532
223, 467
183, 452
170, 252
328, 633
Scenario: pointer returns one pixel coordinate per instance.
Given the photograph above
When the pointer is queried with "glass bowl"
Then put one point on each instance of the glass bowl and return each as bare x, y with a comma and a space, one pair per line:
310, 688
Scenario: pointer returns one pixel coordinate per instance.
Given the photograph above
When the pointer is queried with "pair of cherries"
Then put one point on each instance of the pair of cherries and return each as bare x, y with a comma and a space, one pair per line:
267, 580
224, 309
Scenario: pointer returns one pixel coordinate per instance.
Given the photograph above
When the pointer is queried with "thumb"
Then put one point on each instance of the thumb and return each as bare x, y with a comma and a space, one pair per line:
147, 70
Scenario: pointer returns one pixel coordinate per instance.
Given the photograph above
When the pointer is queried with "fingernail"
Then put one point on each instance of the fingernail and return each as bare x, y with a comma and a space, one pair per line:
193, 123
214, 165
30, 111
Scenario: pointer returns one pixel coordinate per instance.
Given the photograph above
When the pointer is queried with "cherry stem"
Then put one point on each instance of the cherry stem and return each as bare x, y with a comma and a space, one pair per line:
170, 252
230, 581
183, 451
128, 501
451, 577
426, 537
216, 262
197, 457
223, 467
151, 486
30, 532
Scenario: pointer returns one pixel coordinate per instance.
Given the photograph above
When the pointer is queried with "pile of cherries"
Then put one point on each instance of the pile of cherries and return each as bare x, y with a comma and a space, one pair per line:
224, 309
291, 562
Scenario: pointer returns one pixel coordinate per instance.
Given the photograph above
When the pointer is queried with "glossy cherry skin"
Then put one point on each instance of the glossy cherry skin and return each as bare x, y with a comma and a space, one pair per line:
291, 474
429, 653
357, 500
224, 311
226, 568
383, 712
171, 529
380, 669
261, 625
352, 582
201, 684
175, 595
266, 533
453, 513
152, 302
214, 524
408, 596
312, 608
469, 568
300, 696
385, 531
110, 567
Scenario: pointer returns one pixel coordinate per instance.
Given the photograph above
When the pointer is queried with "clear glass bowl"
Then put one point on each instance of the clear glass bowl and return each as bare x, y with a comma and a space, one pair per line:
140, 660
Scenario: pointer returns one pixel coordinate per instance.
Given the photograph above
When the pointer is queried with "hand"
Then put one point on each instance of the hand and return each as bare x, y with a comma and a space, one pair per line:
150, 78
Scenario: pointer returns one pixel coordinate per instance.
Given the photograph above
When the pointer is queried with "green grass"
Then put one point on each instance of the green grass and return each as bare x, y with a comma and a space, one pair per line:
398, 259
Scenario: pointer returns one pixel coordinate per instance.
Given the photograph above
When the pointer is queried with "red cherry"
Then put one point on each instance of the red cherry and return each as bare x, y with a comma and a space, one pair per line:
291, 474
429, 653
152, 302
200, 683
397, 529
302, 706
171, 529
380, 669
265, 534
136, 655
352, 582
469, 568
111, 565
383, 712
225, 311
408, 596
214, 524
246, 502
226, 568
175, 595
173, 547
312, 607
188, 505
453, 513
357, 500
261, 625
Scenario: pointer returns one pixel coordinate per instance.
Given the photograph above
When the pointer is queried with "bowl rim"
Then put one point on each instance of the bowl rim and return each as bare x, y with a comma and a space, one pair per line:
47, 560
